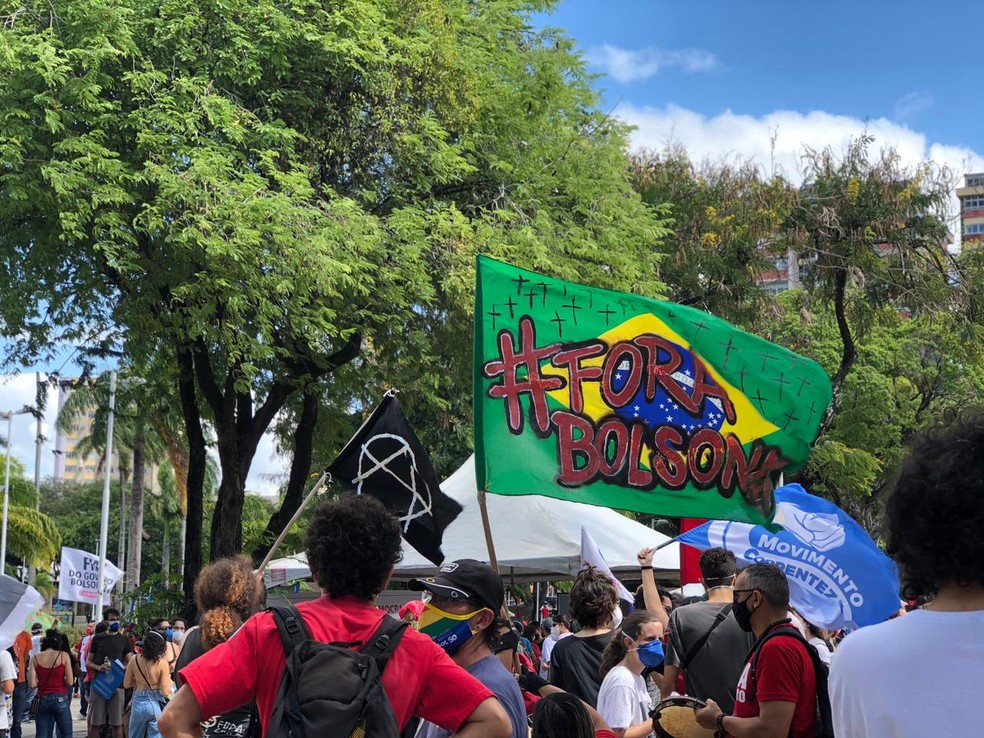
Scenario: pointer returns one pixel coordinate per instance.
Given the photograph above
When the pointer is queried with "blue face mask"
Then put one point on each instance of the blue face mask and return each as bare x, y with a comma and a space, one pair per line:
169, 633
651, 654
114, 626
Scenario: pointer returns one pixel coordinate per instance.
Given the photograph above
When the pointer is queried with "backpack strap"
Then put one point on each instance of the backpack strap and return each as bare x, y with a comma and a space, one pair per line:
291, 626
691, 652
384, 641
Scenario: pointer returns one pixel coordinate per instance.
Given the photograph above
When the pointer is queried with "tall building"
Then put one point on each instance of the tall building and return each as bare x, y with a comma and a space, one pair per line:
971, 197
71, 465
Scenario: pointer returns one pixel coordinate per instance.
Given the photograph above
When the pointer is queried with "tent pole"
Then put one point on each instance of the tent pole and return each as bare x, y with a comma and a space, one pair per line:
493, 562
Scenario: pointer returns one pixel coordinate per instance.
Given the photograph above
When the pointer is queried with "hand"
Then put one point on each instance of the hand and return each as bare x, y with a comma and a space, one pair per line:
707, 715
645, 557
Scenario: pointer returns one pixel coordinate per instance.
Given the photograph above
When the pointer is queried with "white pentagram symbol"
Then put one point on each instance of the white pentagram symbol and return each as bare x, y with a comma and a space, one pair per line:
369, 465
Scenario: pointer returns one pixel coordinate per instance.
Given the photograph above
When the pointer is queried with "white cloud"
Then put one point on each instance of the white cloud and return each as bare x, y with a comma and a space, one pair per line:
913, 104
629, 65
775, 141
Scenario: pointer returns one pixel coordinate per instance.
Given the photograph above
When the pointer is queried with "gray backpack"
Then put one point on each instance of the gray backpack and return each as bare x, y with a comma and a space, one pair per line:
332, 689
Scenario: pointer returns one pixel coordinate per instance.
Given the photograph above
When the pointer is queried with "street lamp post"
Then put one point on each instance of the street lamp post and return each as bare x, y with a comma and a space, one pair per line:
9, 417
104, 520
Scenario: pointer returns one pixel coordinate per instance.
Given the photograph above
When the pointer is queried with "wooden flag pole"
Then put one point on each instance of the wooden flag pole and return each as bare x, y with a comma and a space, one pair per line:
325, 479
493, 562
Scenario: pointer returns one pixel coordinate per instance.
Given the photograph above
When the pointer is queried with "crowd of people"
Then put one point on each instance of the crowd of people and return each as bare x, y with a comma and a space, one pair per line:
460, 665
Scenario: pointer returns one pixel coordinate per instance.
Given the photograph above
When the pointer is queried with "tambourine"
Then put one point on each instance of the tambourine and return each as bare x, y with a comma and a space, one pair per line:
676, 717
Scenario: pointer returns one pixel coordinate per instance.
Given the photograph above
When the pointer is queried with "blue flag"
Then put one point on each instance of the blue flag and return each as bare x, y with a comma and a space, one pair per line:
838, 577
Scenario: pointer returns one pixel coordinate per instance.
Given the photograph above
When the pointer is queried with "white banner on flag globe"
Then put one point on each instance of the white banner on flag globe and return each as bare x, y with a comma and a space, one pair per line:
79, 577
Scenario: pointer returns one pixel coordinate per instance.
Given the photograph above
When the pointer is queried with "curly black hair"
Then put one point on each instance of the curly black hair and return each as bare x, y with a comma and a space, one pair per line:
593, 598
351, 545
561, 715
717, 565
934, 511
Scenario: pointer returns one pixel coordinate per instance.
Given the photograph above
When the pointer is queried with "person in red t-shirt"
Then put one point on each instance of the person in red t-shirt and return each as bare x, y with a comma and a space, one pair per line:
352, 545
780, 698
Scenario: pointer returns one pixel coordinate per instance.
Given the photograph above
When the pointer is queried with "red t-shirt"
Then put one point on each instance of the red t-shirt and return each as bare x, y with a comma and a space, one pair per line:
420, 679
784, 673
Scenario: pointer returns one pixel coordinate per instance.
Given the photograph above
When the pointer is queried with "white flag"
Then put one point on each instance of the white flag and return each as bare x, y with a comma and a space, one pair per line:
79, 577
591, 556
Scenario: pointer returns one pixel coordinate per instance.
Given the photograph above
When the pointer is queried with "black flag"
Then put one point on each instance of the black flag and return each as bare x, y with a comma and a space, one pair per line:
384, 459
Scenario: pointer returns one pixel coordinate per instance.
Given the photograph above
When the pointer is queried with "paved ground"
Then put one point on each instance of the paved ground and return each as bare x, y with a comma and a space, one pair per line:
78, 724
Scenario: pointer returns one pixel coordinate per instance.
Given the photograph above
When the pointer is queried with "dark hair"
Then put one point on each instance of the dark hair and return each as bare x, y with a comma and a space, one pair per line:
564, 620
101, 627
352, 543
156, 622
51, 639
770, 580
175, 621
111, 611
154, 646
227, 593
561, 715
532, 631
934, 511
593, 598
616, 649
717, 565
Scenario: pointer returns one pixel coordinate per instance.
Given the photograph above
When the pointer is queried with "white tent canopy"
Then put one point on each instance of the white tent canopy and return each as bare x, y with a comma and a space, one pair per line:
536, 537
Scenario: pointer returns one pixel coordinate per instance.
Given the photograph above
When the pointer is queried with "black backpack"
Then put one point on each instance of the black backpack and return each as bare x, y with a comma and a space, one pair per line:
330, 689
825, 721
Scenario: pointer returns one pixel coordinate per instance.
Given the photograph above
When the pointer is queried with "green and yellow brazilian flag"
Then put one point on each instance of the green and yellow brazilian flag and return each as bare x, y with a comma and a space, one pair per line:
608, 398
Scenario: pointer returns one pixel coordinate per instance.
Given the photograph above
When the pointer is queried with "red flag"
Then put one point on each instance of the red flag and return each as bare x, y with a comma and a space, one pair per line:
689, 556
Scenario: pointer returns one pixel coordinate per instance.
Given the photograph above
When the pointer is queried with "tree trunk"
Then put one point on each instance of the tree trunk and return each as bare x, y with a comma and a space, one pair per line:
849, 352
300, 467
197, 464
121, 552
136, 509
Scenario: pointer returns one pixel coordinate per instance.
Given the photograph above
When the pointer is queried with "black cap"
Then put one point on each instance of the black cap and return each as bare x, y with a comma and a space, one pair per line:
37, 628
465, 579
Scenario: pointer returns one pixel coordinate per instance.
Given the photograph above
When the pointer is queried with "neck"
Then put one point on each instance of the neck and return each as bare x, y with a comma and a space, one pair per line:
474, 650
954, 597
632, 662
764, 619
722, 593
588, 632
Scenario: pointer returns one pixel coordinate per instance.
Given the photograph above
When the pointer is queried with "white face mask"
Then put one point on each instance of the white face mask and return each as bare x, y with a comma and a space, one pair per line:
616, 617
555, 631
177, 635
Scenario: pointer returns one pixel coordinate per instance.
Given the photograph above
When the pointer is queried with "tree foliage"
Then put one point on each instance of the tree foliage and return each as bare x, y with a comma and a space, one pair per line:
265, 192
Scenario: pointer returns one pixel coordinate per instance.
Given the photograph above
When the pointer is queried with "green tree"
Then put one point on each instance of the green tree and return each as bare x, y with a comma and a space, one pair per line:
32, 536
875, 231
265, 193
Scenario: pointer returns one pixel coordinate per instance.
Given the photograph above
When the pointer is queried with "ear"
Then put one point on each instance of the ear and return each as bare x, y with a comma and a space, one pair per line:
483, 620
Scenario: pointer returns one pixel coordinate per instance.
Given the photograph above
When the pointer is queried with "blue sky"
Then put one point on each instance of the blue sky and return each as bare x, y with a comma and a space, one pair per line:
719, 76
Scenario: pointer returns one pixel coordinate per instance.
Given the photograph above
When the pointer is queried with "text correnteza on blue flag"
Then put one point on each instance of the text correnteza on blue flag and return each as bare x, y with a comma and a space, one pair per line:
838, 577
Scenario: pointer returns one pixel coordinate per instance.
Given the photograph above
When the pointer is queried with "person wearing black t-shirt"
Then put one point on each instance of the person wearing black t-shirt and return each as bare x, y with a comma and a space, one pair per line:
575, 662
104, 649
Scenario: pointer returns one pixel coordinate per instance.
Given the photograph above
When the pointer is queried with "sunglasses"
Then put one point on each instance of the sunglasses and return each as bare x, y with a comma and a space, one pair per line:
736, 592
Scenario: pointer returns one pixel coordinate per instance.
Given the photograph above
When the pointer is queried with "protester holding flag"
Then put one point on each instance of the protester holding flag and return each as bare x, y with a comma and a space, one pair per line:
921, 675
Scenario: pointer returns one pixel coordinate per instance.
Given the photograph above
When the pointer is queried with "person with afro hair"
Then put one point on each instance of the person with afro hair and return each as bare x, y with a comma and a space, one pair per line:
352, 544
921, 674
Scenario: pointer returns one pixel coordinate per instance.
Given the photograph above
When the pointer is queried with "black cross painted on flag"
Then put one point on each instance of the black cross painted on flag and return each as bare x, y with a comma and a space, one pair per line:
560, 323
520, 281
493, 313
781, 381
510, 303
573, 307
607, 312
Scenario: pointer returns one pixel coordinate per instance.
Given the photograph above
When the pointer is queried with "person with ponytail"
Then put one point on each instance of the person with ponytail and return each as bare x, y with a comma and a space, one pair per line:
226, 593
148, 675
623, 700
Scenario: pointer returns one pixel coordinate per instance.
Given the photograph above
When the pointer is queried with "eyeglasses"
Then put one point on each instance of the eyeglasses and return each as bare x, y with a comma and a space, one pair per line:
736, 592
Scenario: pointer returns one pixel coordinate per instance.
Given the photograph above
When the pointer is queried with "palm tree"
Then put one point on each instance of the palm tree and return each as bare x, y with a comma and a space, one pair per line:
135, 440
31, 535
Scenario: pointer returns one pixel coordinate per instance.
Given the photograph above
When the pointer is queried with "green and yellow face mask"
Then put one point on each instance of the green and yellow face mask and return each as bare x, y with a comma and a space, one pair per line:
448, 631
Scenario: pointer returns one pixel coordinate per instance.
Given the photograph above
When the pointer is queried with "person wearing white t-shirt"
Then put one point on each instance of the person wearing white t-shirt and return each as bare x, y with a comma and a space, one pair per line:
560, 628
933, 520
624, 701
8, 677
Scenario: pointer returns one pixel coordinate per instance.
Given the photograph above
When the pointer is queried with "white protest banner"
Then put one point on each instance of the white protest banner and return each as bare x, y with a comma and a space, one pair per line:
591, 556
79, 577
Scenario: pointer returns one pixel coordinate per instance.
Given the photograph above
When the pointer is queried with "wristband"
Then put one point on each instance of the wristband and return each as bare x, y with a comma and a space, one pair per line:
719, 724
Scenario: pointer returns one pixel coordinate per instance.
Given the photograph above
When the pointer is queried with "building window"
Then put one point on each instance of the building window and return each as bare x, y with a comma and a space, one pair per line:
974, 229
973, 203
975, 181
